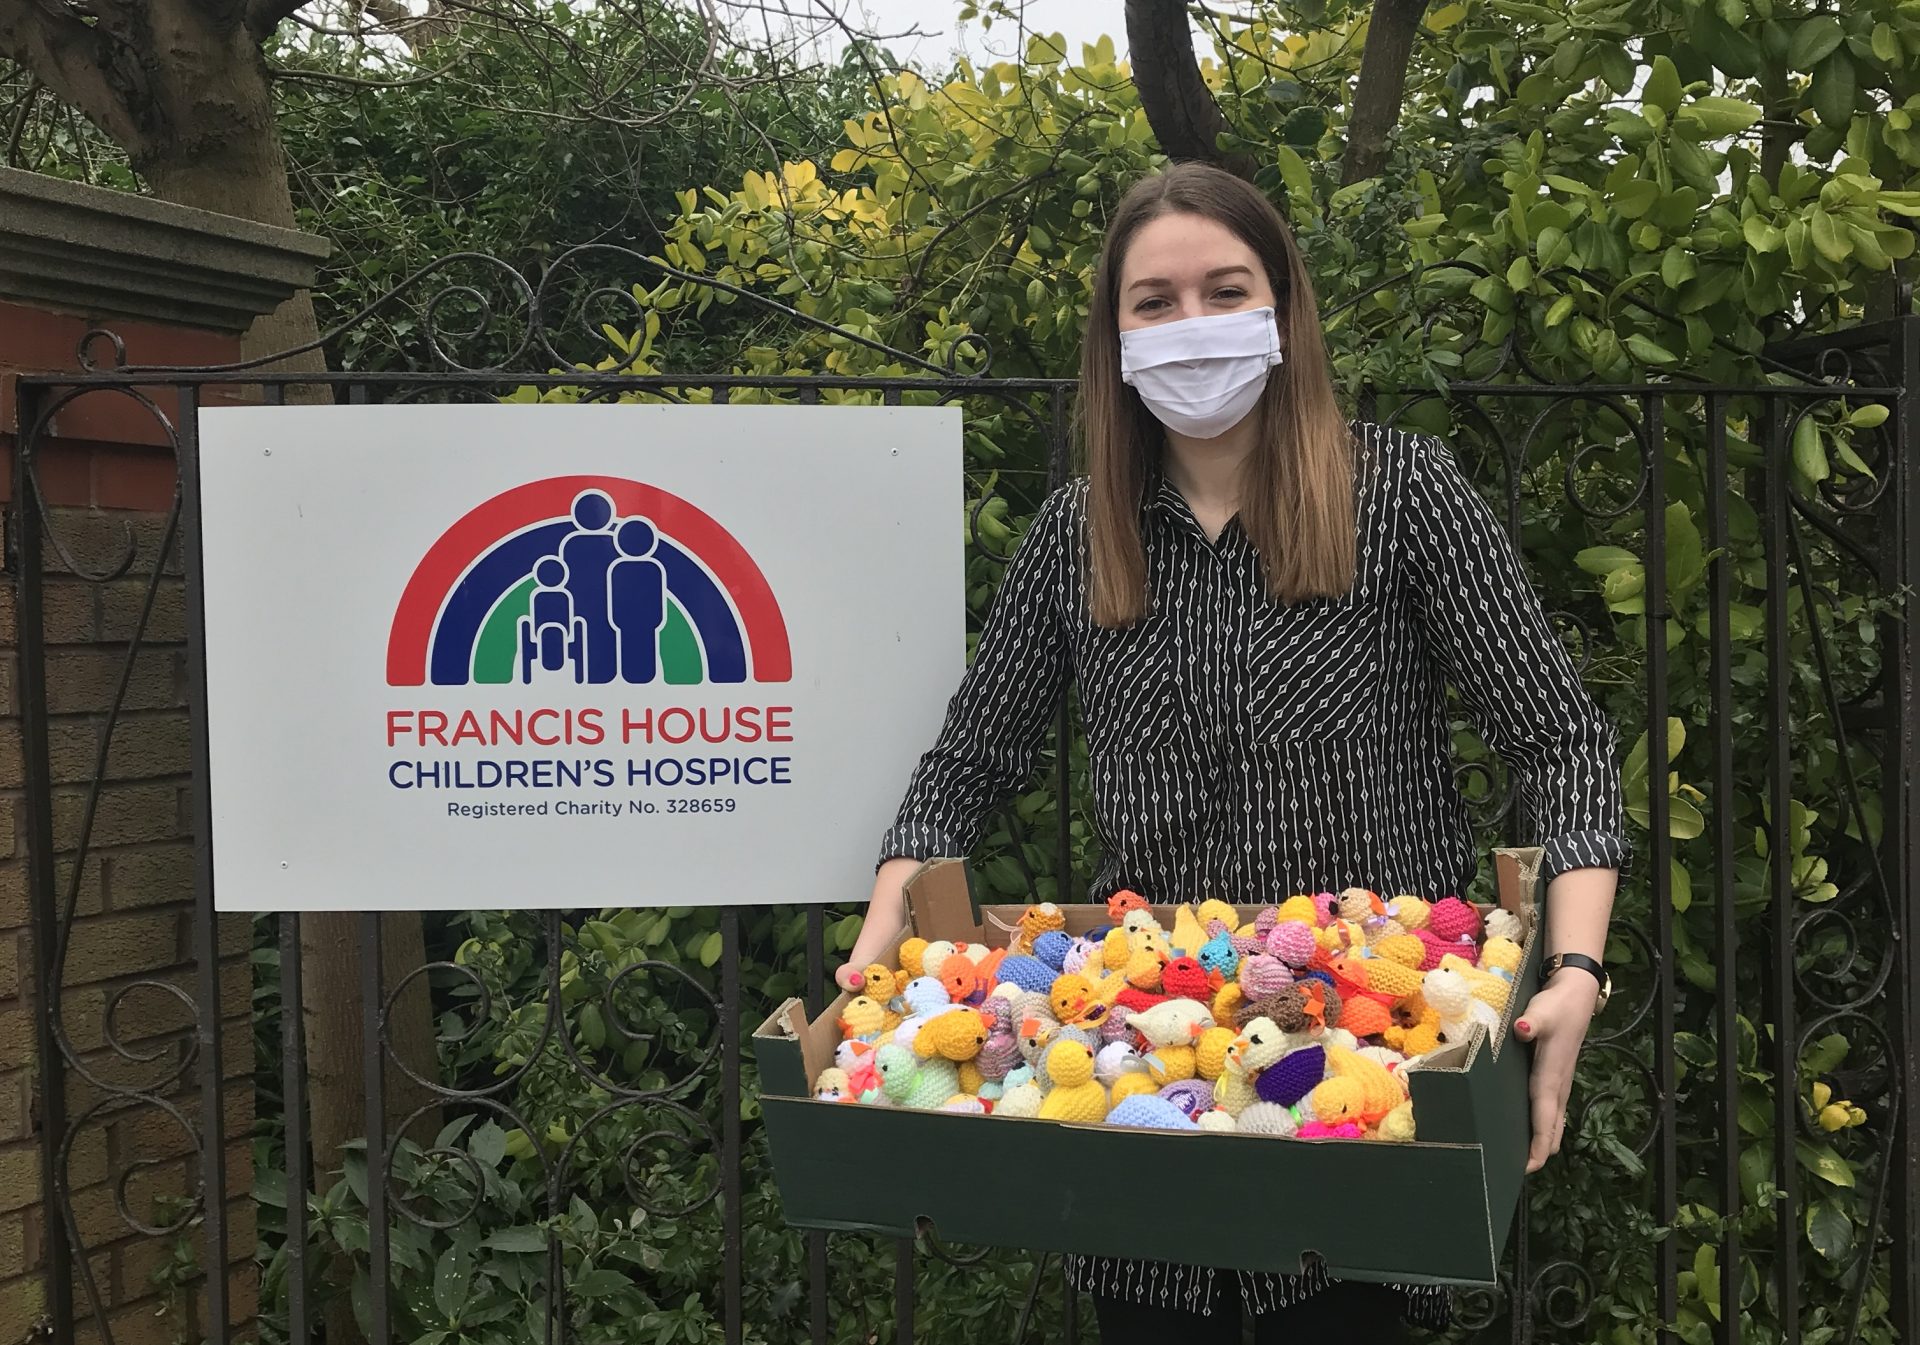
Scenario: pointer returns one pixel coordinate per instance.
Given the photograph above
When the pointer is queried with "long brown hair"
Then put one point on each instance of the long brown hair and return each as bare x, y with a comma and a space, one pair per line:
1297, 490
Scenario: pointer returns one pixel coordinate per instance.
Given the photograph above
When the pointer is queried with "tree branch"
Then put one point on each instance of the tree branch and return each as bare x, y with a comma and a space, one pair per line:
1179, 106
263, 16
1381, 88
67, 57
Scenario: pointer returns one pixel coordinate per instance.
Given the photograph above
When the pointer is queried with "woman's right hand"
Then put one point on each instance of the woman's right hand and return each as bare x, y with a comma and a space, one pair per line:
886, 916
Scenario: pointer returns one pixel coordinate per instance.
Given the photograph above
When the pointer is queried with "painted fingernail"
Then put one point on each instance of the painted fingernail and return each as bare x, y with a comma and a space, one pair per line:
1524, 1025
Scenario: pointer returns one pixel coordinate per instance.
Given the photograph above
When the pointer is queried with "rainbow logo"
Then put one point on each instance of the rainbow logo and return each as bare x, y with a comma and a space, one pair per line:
587, 579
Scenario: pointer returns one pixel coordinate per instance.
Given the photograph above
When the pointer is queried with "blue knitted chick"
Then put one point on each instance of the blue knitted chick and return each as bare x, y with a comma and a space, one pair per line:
1218, 954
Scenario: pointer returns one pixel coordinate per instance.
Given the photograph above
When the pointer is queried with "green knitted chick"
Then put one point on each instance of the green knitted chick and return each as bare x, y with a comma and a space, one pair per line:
912, 1082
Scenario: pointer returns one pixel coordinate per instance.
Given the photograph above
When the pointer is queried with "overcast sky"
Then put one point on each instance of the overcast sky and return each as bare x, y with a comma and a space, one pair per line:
1079, 20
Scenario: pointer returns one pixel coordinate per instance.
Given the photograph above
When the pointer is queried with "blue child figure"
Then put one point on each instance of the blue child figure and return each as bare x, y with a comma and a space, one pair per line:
637, 599
589, 553
549, 627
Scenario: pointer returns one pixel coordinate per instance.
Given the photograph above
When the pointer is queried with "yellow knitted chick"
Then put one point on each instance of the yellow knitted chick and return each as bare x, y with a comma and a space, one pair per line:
864, 1017
1171, 1064
1037, 920
970, 1077
1133, 1081
1501, 955
1411, 912
1336, 1100
1115, 950
1188, 931
1379, 1094
1140, 924
1210, 1052
1214, 909
880, 983
913, 958
954, 1034
1074, 1095
1491, 990
1228, 999
1416, 1027
1143, 970
1397, 1125
1405, 949
1386, 977
1299, 909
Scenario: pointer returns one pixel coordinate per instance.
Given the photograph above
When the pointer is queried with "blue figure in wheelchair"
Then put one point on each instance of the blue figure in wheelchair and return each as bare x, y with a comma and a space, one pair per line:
637, 600
551, 636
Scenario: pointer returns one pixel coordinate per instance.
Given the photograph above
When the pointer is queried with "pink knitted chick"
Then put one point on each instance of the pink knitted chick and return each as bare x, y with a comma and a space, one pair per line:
1452, 919
1292, 942
1262, 974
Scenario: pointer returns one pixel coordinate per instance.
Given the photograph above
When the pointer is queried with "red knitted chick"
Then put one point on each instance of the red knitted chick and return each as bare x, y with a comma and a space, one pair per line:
1185, 978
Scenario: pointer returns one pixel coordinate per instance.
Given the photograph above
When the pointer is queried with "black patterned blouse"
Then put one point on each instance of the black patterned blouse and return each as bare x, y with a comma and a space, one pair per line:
1247, 749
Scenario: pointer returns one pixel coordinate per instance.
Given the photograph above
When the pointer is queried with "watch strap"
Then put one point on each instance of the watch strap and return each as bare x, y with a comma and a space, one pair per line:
1562, 960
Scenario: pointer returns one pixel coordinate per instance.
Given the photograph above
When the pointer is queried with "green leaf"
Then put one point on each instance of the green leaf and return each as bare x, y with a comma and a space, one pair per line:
1871, 416
1834, 90
1823, 1162
1605, 559
1686, 556
1636, 198
1662, 89
1808, 455
1293, 172
452, 1278
1714, 117
519, 1238
1814, 40
1695, 1050
1886, 47
1762, 235
1677, 267
1649, 351
710, 948
596, 1284
1561, 310
1824, 1056
1680, 886
1829, 1230
1552, 246
488, 1145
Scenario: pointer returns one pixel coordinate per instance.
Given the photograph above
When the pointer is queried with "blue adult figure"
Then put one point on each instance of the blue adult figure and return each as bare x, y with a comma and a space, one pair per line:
589, 554
547, 628
637, 598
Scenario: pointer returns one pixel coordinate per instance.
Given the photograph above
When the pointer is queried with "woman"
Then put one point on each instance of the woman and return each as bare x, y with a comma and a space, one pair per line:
1260, 606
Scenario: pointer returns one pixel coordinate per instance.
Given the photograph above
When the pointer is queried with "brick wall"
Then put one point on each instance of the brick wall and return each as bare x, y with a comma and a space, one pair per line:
108, 476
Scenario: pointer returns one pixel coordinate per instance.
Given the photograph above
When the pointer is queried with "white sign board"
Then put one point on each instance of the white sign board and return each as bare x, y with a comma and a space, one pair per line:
470, 657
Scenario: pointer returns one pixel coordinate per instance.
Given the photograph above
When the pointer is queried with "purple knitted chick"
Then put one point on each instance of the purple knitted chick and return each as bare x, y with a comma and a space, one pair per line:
1264, 922
1191, 1096
1079, 954
1292, 1077
1000, 1054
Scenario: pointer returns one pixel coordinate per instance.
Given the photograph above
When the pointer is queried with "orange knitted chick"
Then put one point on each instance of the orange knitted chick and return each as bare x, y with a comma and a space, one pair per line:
1122, 902
1416, 1027
912, 959
959, 976
1074, 1095
1365, 1016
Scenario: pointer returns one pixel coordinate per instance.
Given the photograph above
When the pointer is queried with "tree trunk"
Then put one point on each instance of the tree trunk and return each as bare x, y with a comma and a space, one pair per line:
1179, 106
1381, 88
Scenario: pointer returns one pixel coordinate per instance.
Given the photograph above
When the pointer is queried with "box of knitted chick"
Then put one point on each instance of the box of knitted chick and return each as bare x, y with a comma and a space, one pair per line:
1331, 1080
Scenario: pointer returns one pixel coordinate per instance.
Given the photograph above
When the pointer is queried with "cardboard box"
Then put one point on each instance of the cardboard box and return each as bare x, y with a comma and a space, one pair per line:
1435, 1211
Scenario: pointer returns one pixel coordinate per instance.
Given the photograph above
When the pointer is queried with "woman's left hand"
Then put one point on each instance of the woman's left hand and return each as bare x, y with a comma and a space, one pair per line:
1555, 1021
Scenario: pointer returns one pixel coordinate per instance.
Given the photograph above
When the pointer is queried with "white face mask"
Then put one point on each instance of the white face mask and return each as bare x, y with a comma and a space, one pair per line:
1201, 376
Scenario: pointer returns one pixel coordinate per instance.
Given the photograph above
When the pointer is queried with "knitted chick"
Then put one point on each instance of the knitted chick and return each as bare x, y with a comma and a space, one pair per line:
1411, 912
1217, 955
1083, 958
833, 1085
934, 954
1052, 948
956, 1035
1177, 1022
1074, 1096
913, 959
1416, 1027
1216, 1120
1188, 932
1437, 948
1397, 1125
1023, 1099
1500, 956
1037, 920
1378, 976
1489, 989
1213, 909
1356, 904
1115, 949
1227, 1001
1379, 1092
998, 1054
1123, 901
1293, 942
1184, 976
1336, 1101
1503, 924
1298, 909
1448, 994
1132, 1085
924, 994
959, 975
1028, 973
1451, 919
1147, 1112
880, 984
1262, 973
864, 1017
1405, 949
1116, 1059
1035, 1034
1146, 969
1258, 1046
911, 1082
1140, 925
971, 1079
1171, 1064
1210, 1052
1267, 1118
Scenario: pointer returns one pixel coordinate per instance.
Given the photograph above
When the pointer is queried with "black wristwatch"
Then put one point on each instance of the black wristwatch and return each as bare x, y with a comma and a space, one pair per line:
1559, 961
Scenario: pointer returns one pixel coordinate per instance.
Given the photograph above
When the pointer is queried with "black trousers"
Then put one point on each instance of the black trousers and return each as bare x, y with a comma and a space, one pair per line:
1352, 1314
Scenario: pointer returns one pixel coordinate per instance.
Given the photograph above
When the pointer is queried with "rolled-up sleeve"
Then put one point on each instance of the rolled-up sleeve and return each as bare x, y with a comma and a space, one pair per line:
996, 720
1486, 625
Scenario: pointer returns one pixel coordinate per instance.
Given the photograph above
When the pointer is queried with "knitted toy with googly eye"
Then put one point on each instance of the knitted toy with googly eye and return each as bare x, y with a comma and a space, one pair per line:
911, 1082
1074, 1096
832, 1086
1219, 1121
1052, 947
924, 994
